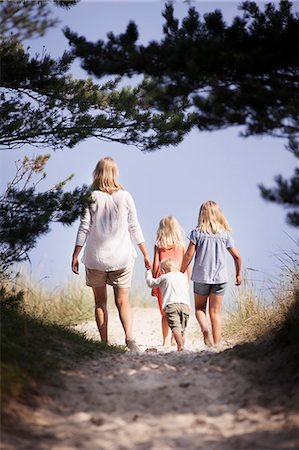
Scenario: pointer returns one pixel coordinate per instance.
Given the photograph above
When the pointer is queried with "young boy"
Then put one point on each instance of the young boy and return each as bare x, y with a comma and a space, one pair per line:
175, 297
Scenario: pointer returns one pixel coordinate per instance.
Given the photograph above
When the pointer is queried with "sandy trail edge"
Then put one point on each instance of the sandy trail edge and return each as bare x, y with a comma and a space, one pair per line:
157, 401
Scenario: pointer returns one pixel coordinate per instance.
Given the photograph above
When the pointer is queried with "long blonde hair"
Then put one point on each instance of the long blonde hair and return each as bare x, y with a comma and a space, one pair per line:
105, 176
211, 219
169, 233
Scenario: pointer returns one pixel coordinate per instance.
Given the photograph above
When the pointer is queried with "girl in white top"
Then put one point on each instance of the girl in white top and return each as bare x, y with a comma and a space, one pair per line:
209, 242
107, 229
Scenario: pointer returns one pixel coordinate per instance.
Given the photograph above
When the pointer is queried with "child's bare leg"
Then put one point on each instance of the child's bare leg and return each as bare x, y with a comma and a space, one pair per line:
215, 316
165, 329
178, 338
200, 313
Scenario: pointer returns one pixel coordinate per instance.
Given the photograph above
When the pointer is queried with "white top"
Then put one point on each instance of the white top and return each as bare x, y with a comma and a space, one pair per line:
174, 287
107, 229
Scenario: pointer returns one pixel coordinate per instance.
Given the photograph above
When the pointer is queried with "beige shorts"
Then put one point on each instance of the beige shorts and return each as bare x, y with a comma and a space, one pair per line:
177, 315
117, 278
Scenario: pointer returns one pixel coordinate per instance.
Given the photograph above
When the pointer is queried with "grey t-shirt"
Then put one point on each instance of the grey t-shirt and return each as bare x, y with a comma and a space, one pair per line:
210, 258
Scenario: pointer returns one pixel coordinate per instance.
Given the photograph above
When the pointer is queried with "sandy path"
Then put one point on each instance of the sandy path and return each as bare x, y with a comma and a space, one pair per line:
159, 401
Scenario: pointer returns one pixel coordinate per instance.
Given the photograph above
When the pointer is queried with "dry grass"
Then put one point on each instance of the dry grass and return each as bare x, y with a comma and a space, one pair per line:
71, 304
249, 317
252, 316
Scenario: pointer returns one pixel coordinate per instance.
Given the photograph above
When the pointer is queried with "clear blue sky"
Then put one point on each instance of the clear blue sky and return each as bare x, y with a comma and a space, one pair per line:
219, 165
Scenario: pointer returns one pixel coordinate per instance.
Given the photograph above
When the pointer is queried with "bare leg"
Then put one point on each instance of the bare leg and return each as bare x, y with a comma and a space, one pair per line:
101, 313
200, 313
178, 338
121, 296
165, 329
172, 340
215, 316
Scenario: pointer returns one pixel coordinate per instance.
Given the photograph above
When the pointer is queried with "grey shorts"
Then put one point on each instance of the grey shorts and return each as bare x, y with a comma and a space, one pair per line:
177, 315
207, 289
118, 278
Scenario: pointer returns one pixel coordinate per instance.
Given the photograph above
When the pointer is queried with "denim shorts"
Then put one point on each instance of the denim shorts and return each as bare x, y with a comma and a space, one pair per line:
207, 289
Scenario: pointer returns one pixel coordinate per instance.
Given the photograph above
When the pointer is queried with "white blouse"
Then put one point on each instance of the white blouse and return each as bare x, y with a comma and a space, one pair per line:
107, 229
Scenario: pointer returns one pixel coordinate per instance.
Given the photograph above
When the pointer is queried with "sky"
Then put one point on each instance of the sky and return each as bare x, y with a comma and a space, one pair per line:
219, 165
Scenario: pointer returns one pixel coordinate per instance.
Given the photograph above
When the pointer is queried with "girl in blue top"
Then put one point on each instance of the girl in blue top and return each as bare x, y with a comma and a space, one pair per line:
209, 242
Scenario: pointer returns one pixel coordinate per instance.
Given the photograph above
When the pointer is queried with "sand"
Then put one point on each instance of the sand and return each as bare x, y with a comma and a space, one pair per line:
158, 400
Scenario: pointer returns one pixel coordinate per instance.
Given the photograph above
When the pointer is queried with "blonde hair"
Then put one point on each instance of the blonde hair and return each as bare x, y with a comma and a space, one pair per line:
169, 233
211, 219
169, 265
105, 176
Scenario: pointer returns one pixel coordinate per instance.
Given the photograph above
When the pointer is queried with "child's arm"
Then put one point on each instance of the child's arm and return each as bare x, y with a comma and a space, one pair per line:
238, 263
156, 261
188, 256
152, 282
188, 268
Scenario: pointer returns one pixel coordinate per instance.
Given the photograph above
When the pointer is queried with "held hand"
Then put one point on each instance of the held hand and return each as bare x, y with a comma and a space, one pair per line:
238, 280
75, 265
147, 263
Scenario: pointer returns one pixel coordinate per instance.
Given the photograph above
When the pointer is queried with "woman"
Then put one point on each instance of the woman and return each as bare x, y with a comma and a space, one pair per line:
107, 229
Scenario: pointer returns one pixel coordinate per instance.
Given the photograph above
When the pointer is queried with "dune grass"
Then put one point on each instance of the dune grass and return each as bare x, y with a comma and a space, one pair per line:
252, 317
37, 338
70, 304
67, 305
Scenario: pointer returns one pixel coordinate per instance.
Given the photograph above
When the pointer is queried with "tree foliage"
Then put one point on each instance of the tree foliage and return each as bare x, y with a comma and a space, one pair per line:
26, 214
42, 105
286, 192
30, 18
243, 74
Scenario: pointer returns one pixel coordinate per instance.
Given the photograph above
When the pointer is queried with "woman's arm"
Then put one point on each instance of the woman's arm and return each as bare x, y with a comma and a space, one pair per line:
81, 239
238, 264
188, 256
75, 261
84, 228
147, 261
136, 232
133, 223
